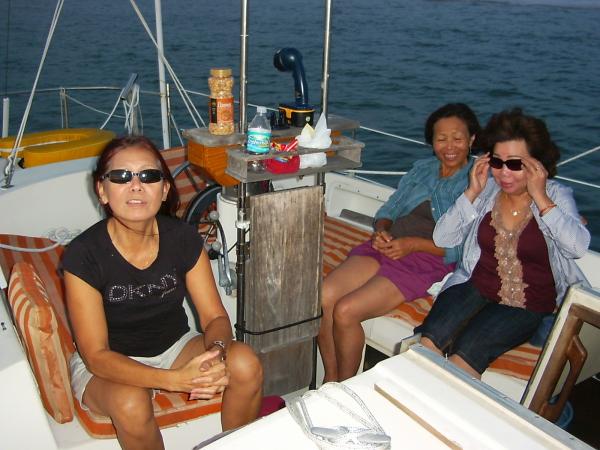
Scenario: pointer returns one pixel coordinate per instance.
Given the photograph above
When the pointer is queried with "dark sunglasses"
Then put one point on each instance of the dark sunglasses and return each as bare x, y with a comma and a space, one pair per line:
511, 164
122, 176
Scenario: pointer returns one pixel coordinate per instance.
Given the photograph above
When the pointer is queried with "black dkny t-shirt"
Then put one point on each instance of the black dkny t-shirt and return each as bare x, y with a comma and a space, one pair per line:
144, 308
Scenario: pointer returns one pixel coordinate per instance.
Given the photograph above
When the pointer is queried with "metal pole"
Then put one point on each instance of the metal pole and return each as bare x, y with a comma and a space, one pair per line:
242, 225
326, 45
320, 179
243, 65
161, 76
242, 254
64, 108
169, 111
5, 115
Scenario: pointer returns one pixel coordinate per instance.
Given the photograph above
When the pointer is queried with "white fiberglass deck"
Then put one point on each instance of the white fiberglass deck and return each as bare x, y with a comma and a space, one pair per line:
466, 412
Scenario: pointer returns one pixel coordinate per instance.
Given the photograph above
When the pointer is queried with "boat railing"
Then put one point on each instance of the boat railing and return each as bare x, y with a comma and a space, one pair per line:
68, 94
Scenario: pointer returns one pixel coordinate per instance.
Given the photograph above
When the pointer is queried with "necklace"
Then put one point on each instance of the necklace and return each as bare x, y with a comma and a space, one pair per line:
513, 211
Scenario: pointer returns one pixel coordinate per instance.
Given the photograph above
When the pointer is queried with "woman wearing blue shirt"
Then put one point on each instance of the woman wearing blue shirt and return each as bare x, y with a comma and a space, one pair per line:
400, 262
521, 233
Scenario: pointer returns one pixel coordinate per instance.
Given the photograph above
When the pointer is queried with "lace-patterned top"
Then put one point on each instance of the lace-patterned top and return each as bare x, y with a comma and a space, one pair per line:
514, 269
510, 270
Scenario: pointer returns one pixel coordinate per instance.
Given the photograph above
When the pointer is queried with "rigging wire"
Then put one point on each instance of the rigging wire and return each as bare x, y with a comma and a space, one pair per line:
172, 118
186, 99
111, 113
10, 167
580, 155
396, 136
91, 108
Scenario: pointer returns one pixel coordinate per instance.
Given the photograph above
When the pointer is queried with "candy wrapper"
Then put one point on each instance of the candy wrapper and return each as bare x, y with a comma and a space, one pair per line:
283, 164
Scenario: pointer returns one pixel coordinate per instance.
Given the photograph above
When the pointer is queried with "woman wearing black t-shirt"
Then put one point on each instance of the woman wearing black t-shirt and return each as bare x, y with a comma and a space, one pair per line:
126, 278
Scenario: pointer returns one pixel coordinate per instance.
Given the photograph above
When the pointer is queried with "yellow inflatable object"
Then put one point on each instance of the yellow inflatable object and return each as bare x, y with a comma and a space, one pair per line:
52, 146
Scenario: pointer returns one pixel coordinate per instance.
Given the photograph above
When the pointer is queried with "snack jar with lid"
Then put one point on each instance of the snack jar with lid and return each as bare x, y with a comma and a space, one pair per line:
220, 103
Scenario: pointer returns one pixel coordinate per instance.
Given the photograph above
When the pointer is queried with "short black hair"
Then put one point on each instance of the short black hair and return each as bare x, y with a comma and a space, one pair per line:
514, 125
459, 110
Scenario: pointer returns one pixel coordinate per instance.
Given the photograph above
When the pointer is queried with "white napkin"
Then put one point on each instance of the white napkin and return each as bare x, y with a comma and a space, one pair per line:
319, 137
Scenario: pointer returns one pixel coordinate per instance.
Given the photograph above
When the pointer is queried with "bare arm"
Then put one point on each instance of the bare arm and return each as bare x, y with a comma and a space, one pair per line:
201, 286
88, 320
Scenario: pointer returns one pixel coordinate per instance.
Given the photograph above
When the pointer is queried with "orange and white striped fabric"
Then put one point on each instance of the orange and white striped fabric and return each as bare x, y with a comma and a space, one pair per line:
341, 237
39, 331
170, 408
49, 344
190, 182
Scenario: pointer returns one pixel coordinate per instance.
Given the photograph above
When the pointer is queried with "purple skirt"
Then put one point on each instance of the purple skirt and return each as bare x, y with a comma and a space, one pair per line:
413, 274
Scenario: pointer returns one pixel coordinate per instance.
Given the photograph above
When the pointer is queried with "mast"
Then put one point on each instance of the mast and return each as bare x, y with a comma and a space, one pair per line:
161, 76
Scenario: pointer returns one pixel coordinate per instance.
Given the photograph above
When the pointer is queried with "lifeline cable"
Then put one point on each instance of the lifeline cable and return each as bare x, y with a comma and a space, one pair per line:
10, 167
60, 236
91, 108
184, 96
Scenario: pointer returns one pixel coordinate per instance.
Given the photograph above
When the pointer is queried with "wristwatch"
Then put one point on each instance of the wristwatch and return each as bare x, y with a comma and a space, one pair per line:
220, 344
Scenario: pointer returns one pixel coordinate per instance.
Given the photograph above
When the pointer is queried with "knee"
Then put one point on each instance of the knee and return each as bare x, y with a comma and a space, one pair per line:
328, 295
344, 314
131, 410
244, 366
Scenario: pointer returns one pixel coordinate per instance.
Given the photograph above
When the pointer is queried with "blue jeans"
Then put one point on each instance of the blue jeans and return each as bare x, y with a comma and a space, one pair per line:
465, 323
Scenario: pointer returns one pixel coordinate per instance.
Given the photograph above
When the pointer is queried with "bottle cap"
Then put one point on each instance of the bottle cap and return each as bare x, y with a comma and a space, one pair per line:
261, 109
220, 72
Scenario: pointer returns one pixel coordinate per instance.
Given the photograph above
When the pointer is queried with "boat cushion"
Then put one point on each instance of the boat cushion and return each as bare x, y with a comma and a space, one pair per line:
170, 408
39, 310
189, 183
340, 237
38, 328
46, 265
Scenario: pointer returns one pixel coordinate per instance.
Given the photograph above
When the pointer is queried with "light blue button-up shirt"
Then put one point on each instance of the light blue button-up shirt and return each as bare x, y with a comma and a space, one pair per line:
423, 183
566, 237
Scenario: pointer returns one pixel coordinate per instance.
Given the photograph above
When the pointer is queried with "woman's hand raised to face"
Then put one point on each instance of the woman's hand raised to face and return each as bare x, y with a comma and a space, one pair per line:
478, 177
536, 179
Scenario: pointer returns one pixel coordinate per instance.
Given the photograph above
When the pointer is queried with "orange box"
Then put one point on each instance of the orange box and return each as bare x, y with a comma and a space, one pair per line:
212, 160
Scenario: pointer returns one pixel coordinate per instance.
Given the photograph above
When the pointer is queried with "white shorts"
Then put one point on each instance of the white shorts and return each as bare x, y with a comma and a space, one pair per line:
81, 376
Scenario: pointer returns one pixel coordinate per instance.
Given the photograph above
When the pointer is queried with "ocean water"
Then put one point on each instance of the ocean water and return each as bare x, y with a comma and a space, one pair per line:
392, 63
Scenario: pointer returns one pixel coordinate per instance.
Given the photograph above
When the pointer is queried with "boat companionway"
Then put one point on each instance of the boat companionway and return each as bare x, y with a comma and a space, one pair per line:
52, 146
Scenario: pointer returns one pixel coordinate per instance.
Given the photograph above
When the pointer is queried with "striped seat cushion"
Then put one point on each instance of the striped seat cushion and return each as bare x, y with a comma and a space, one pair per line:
38, 328
46, 265
36, 296
170, 408
340, 237
188, 183
518, 362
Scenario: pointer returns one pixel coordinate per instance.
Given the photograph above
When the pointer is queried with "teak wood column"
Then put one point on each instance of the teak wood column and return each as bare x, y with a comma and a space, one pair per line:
283, 283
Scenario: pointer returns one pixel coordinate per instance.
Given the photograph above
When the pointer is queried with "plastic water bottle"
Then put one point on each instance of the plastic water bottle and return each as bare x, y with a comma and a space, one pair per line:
258, 139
